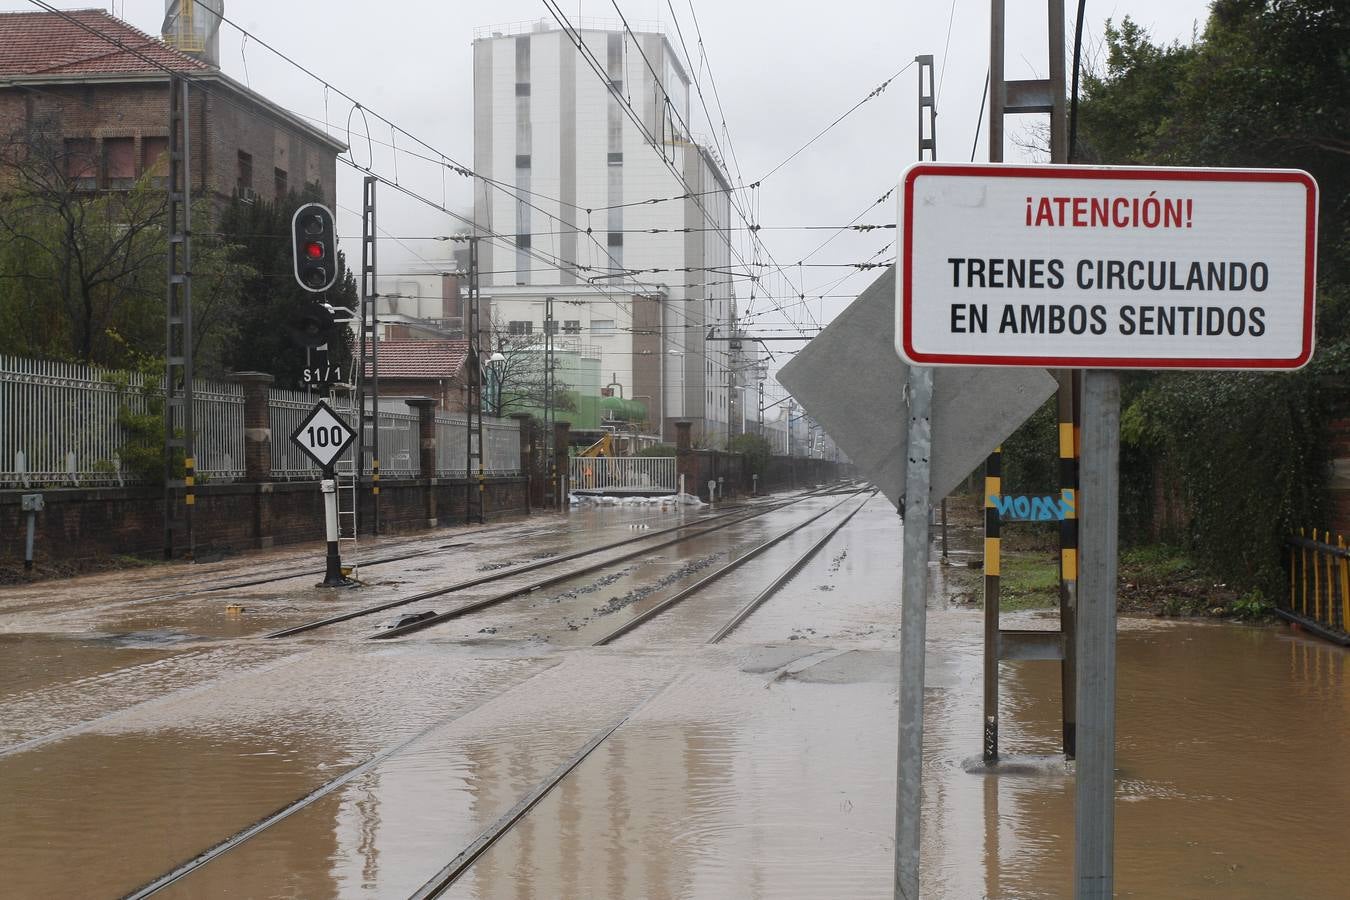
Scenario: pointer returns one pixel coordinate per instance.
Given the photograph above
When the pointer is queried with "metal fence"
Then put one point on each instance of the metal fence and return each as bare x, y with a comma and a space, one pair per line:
287, 410
399, 453
399, 443
66, 424
1319, 584
398, 438
501, 439
619, 473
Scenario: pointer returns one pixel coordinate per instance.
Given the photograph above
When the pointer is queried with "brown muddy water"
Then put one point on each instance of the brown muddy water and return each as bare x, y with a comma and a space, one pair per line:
763, 766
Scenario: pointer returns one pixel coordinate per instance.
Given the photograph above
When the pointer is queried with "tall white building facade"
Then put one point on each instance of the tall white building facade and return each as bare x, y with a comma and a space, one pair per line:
569, 177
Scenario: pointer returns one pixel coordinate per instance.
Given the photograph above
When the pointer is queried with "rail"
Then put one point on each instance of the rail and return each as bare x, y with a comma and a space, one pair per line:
1319, 585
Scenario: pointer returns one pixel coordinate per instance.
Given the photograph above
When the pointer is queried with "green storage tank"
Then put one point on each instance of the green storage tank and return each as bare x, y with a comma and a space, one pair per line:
617, 408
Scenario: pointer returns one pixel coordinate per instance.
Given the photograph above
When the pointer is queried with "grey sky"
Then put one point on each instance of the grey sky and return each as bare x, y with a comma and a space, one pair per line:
783, 71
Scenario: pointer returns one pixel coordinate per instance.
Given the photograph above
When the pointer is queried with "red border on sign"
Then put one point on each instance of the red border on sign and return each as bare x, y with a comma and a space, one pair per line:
1268, 176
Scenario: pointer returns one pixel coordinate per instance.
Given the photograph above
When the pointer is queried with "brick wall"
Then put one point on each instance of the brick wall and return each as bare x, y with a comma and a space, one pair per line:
222, 122
84, 523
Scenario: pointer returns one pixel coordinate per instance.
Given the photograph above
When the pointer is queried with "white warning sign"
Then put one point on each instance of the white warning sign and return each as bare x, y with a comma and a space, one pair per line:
1083, 267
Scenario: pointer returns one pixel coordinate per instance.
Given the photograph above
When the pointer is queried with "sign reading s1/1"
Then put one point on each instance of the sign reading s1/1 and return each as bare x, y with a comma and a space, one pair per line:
323, 435
321, 374
1081, 267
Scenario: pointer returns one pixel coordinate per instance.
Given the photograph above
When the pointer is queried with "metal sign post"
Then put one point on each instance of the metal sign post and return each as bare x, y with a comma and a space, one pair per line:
913, 632
332, 574
324, 437
1094, 799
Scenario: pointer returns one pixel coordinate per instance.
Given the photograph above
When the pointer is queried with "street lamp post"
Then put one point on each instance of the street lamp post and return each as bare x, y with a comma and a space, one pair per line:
493, 380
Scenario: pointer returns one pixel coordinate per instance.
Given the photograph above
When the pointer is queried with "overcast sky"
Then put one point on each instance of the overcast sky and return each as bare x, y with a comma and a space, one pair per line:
783, 69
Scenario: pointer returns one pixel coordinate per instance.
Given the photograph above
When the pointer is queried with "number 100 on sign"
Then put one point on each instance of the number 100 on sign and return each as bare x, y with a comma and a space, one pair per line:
323, 435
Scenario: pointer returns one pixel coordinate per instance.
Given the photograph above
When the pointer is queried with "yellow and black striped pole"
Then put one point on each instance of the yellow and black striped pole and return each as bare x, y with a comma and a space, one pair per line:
993, 488
1069, 442
189, 499
1344, 565
482, 495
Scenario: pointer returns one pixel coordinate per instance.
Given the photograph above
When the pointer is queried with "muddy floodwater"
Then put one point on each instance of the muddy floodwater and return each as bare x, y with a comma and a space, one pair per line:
139, 734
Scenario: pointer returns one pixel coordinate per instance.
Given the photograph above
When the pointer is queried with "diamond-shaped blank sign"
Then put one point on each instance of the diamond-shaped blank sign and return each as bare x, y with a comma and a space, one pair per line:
323, 435
851, 381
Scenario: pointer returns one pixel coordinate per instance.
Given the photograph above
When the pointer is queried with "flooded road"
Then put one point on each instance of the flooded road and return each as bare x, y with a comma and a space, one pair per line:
763, 766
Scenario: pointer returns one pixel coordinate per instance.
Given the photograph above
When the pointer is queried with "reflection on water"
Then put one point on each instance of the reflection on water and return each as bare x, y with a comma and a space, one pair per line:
721, 788
1231, 773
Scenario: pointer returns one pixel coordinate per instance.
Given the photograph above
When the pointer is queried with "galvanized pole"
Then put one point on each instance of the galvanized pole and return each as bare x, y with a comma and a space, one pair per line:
1094, 799
917, 510
913, 629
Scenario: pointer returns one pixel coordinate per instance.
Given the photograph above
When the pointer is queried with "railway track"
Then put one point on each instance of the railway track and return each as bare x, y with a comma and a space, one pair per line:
735, 518
488, 602
208, 586
456, 867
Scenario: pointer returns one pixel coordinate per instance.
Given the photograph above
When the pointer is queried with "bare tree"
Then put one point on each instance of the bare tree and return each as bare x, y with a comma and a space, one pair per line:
517, 377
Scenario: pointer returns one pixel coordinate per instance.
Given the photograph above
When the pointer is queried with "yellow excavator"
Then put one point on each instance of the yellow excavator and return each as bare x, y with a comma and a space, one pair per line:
602, 447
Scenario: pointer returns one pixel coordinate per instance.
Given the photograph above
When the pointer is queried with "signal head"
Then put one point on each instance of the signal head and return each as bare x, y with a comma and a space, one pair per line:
314, 244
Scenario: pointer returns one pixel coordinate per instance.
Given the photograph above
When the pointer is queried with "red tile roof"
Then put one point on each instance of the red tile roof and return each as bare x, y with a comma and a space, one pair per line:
421, 359
75, 43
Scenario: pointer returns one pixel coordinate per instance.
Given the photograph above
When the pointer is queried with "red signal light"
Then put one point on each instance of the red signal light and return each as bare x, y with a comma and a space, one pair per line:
314, 250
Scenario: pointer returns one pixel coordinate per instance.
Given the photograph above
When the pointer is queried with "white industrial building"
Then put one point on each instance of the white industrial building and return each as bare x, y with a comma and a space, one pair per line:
577, 173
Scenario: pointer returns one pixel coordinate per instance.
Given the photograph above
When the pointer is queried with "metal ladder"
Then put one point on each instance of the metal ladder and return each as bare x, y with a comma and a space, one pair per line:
342, 397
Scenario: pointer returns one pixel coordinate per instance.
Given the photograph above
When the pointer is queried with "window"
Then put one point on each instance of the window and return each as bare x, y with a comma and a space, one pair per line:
119, 163
616, 238
571, 326
521, 327
522, 89
614, 53
279, 183
522, 160
155, 160
81, 164
245, 180
523, 241
602, 327
616, 159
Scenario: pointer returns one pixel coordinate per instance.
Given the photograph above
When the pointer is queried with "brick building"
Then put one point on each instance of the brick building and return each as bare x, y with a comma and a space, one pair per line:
416, 368
98, 85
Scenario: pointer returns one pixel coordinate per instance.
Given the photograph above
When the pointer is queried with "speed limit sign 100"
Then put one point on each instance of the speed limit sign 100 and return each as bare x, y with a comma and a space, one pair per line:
323, 435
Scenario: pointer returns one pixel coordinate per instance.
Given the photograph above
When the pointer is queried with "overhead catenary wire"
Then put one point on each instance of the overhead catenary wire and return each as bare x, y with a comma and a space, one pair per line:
197, 82
557, 262
632, 114
442, 158
607, 291
874, 93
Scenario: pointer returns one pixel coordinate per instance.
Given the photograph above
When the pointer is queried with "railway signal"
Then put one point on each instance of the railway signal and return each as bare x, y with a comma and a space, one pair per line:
314, 241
